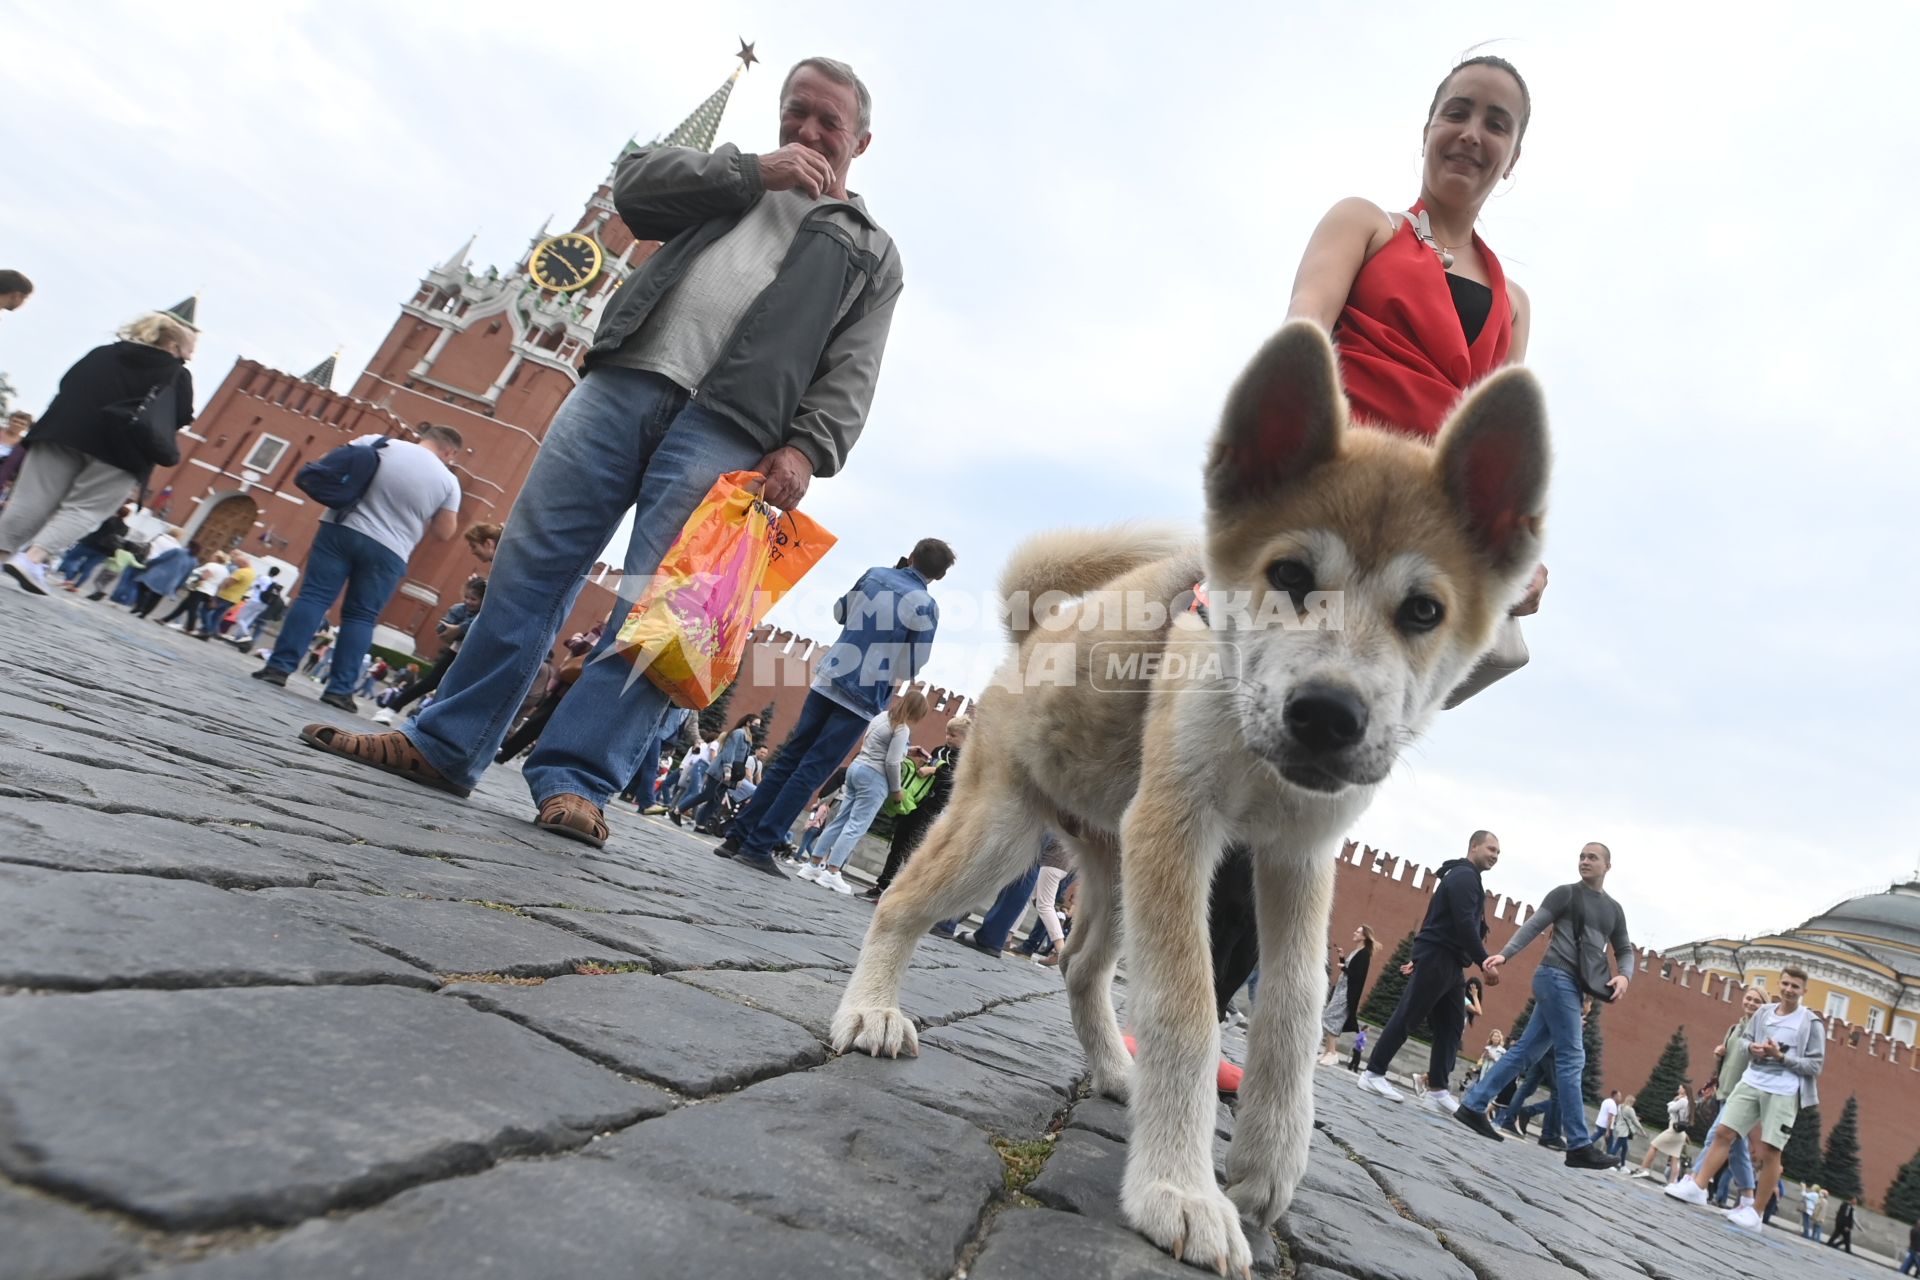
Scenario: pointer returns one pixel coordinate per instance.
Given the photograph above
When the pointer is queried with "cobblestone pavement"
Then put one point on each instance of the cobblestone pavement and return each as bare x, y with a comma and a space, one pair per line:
266, 1015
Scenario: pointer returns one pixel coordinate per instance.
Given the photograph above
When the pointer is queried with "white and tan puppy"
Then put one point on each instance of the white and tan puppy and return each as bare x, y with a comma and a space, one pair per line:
1354, 577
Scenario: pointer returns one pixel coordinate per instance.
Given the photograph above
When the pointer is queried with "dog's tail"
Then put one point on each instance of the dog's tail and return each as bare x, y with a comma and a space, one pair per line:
1073, 562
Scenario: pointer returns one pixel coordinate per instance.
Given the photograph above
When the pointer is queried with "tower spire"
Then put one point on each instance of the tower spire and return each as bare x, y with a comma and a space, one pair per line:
698, 130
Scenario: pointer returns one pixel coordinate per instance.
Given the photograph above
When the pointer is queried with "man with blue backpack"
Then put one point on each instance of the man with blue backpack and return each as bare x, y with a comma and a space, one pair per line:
386, 495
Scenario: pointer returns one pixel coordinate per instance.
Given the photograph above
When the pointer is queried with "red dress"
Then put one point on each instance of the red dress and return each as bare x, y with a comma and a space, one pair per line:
1404, 359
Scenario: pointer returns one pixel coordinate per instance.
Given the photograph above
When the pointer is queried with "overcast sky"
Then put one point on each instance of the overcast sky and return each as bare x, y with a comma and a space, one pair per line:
1100, 211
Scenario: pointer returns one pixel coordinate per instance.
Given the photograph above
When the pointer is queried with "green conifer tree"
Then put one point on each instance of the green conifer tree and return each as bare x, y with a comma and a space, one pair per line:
713, 718
1903, 1196
766, 726
1668, 1075
1520, 1023
1841, 1166
1800, 1159
1388, 983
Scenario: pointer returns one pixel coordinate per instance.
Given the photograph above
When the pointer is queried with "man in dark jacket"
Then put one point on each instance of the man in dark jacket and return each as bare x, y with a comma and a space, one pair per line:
1452, 937
751, 340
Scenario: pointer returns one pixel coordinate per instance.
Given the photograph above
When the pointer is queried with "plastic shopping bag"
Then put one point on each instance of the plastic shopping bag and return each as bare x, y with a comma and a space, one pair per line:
733, 561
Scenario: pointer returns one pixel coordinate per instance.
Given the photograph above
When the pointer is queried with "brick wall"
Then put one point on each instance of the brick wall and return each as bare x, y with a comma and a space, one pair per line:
1390, 894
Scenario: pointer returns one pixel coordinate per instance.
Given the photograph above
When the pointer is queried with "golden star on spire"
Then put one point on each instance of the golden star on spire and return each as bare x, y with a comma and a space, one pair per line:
746, 55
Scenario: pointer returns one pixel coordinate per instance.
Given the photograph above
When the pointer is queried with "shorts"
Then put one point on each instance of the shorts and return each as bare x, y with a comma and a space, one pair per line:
1775, 1113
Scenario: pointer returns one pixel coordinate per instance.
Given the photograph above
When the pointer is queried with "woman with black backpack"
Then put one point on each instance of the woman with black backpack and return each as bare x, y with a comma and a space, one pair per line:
111, 423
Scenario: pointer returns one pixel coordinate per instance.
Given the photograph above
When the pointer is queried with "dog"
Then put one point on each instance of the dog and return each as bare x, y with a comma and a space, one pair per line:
1257, 723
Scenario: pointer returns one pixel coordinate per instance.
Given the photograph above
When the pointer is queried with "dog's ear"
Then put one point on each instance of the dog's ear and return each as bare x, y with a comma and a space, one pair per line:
1282, 419
1493, 460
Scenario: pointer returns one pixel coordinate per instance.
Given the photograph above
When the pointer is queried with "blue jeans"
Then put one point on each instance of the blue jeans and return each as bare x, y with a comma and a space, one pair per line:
1739, 1166
820, 740
624, 438
1003, 914
693, 778
1517, 1109
866, 791
1617, 1148
341, 558
1555, 1022
1911, 1264
80, 561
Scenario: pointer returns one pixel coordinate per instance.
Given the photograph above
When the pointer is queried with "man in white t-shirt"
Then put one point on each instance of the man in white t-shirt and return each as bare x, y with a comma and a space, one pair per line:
1787, 1047
1603, 1123
364, 551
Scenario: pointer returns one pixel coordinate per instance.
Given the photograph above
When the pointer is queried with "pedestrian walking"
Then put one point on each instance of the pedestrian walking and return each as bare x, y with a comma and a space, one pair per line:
112, 421
911, 827
1786, 1047
1586, 922
1842, 1237
1452, 936
873, 777
1342, 1012
363, 553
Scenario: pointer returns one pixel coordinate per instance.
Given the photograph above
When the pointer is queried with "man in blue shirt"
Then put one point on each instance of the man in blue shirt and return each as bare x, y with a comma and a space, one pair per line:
888, 621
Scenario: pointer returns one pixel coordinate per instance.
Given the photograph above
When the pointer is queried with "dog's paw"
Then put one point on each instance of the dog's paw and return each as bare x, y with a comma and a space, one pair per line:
1200, 1226
1113, 1082
1262, 1195
884, 1033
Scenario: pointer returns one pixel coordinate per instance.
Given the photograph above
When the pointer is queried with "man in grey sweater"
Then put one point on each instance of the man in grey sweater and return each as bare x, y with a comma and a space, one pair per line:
751, 340
1586, 923
1786, 1047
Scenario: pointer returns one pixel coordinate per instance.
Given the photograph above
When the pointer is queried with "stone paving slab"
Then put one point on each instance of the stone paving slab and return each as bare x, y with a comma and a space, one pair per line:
668, 1032
450, 937
807, 997
270, 1105
1037, 1244
1012, 1106
668, 945
579, 1219
42, 1239
147, 932
75, 838
844, 1159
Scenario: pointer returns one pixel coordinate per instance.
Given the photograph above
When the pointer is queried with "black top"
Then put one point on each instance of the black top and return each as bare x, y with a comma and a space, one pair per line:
107, 537
1472, 302
111, 375
1456, 922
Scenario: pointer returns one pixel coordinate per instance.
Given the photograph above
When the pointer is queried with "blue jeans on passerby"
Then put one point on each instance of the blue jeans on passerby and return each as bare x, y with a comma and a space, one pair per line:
866, 790
1911, 1264
623, 439
820, 740
1617, 1147
341, 559
1555, 1022
1517, 1108
693, 778
1003, 914
80, 561
1738, 1170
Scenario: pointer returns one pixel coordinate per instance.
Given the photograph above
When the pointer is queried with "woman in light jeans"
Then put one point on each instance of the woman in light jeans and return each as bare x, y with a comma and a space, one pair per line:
872, 779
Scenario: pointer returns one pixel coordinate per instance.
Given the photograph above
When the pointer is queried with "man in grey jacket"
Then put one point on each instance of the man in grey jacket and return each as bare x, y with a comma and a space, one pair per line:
1586, 923
751, 340
1786, 1045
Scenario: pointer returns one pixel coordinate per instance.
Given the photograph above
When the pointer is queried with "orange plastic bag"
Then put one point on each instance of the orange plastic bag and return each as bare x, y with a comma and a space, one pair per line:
733, 561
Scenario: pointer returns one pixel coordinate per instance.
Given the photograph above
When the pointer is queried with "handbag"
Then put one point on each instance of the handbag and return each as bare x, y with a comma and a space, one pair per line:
1508, 655
153, 420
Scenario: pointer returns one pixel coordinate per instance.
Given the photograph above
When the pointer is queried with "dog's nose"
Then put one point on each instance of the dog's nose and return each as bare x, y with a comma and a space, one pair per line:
1325, 717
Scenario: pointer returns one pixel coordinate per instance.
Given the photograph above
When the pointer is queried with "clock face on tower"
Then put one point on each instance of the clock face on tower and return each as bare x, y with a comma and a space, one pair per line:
566, 262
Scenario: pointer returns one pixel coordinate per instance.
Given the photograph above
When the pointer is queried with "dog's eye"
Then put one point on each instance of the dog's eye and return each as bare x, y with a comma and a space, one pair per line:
1420, 613
1290, 576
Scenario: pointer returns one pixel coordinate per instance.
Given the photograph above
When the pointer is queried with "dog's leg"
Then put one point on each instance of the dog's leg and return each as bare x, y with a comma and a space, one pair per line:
1169, 1193
978, 844
1089, 959
1293, 891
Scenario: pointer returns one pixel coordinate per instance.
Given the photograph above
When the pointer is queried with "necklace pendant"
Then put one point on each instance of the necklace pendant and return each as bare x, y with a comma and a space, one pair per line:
1446, 260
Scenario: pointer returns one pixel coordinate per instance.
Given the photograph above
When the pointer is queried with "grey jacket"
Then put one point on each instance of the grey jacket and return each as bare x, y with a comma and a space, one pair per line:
1805, 1059
1606, 926
795, 371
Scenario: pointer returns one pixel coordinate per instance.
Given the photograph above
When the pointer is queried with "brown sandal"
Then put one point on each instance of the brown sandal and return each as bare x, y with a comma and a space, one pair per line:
575, 817
389, 752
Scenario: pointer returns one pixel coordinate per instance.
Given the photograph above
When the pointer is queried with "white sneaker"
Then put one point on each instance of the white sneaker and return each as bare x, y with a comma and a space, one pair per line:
836, 882
383, 716
28, 572
1378, 1084
809, 872
1688, 1190
1745, 1218
1441, 1103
